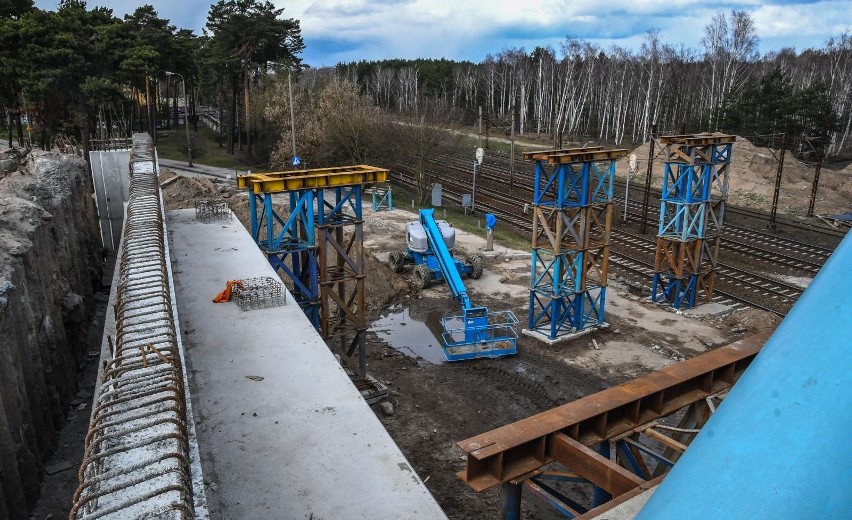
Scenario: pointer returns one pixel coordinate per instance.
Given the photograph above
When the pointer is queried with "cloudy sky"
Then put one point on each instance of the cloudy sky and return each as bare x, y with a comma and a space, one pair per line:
344, 30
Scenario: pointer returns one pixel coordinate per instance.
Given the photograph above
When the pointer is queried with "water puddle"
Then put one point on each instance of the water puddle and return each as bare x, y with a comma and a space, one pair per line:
416, 336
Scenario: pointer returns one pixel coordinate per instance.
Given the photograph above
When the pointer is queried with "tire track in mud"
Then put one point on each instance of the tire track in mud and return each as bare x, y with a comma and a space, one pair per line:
535, 391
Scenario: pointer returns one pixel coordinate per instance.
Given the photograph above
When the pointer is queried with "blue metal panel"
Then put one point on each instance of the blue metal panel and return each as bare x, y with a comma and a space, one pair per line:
775, 448
383, 198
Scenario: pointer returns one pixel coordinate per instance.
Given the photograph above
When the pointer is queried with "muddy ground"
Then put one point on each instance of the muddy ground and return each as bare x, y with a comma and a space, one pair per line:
437, 404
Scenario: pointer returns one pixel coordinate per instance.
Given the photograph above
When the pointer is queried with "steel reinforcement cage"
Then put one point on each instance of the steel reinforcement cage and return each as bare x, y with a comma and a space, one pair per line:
137, 461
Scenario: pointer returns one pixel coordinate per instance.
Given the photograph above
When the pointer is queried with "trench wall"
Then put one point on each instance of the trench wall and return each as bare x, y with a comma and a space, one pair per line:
50, 266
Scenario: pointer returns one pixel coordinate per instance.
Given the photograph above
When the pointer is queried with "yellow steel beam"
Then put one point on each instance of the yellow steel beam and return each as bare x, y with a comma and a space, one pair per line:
277, 182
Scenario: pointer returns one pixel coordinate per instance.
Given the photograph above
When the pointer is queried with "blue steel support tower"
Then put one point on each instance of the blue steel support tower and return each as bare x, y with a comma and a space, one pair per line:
572, 215
318, 245
289, 243
692, 210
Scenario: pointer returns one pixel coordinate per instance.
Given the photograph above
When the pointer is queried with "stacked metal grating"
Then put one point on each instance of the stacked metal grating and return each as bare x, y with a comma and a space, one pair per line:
692, 211
210, 210
258, 293
137, 455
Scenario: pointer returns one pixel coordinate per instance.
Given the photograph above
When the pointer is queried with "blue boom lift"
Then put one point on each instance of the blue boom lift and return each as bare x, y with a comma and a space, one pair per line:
477, 332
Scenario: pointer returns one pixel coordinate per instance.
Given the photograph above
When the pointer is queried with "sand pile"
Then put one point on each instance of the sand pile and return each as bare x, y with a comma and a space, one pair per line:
752, 180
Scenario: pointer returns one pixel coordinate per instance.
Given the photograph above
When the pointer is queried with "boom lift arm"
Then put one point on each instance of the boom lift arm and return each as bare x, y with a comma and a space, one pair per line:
483, 333
444, 257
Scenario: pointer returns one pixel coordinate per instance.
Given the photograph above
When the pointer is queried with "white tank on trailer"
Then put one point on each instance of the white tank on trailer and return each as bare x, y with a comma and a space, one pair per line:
416, 235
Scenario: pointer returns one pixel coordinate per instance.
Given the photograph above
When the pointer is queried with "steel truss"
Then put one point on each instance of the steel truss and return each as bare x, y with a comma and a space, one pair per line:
341, 271
319, 246
572, 217
382, 198
692, 212
290, 244
613, 441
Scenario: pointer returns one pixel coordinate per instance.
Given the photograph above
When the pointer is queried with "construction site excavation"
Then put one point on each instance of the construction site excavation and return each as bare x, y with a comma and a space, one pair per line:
263, 328
341, 261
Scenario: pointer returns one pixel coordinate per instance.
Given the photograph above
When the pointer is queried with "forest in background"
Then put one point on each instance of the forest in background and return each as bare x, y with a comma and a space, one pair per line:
583, 91
89, 74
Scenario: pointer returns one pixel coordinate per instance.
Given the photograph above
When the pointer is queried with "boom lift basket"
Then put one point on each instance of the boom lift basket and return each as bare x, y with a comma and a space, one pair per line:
480, 333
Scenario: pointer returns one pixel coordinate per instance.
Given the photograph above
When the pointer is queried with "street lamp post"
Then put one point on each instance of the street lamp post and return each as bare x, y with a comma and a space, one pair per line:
185, 114
290, 95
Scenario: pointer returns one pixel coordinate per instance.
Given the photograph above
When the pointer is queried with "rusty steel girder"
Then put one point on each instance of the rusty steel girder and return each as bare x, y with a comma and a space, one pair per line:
515, 450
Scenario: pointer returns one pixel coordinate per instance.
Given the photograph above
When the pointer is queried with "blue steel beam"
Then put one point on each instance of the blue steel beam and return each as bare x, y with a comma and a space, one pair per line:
775, 448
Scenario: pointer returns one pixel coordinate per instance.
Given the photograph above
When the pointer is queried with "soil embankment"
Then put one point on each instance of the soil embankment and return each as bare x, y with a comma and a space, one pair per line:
50, 265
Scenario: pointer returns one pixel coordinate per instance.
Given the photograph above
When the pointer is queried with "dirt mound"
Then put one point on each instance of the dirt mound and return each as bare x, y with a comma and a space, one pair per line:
183, 192
752, 179
751, 321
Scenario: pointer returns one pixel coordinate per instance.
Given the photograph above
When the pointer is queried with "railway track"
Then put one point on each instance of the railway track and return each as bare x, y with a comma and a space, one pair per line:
630, 252
769, 248
498, 160
634, 254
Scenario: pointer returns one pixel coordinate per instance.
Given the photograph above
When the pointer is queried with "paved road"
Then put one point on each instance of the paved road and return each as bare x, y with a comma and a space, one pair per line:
198, 169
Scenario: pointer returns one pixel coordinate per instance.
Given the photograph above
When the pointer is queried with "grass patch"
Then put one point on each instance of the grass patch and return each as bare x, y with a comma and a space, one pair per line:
503, 234
498, 146
171, 144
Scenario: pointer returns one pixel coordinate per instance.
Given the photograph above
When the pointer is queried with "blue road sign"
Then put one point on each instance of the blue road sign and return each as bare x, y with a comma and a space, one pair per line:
297, 161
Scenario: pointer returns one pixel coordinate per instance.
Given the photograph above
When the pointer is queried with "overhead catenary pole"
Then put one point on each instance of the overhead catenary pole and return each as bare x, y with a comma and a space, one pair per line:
479, 135
820, 156
512, 151
780, 171
473, 191
647, 195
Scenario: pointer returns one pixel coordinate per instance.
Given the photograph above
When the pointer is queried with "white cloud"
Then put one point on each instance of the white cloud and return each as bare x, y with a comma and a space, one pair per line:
345, 30
360, 29
821, 19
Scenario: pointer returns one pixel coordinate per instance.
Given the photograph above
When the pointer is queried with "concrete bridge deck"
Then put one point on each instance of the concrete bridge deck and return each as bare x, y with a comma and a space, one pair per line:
301, 442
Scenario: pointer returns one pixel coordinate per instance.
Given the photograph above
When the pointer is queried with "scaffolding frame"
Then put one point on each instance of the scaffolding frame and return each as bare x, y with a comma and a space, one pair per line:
692, 213
319, 246
382, 198
572, 218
